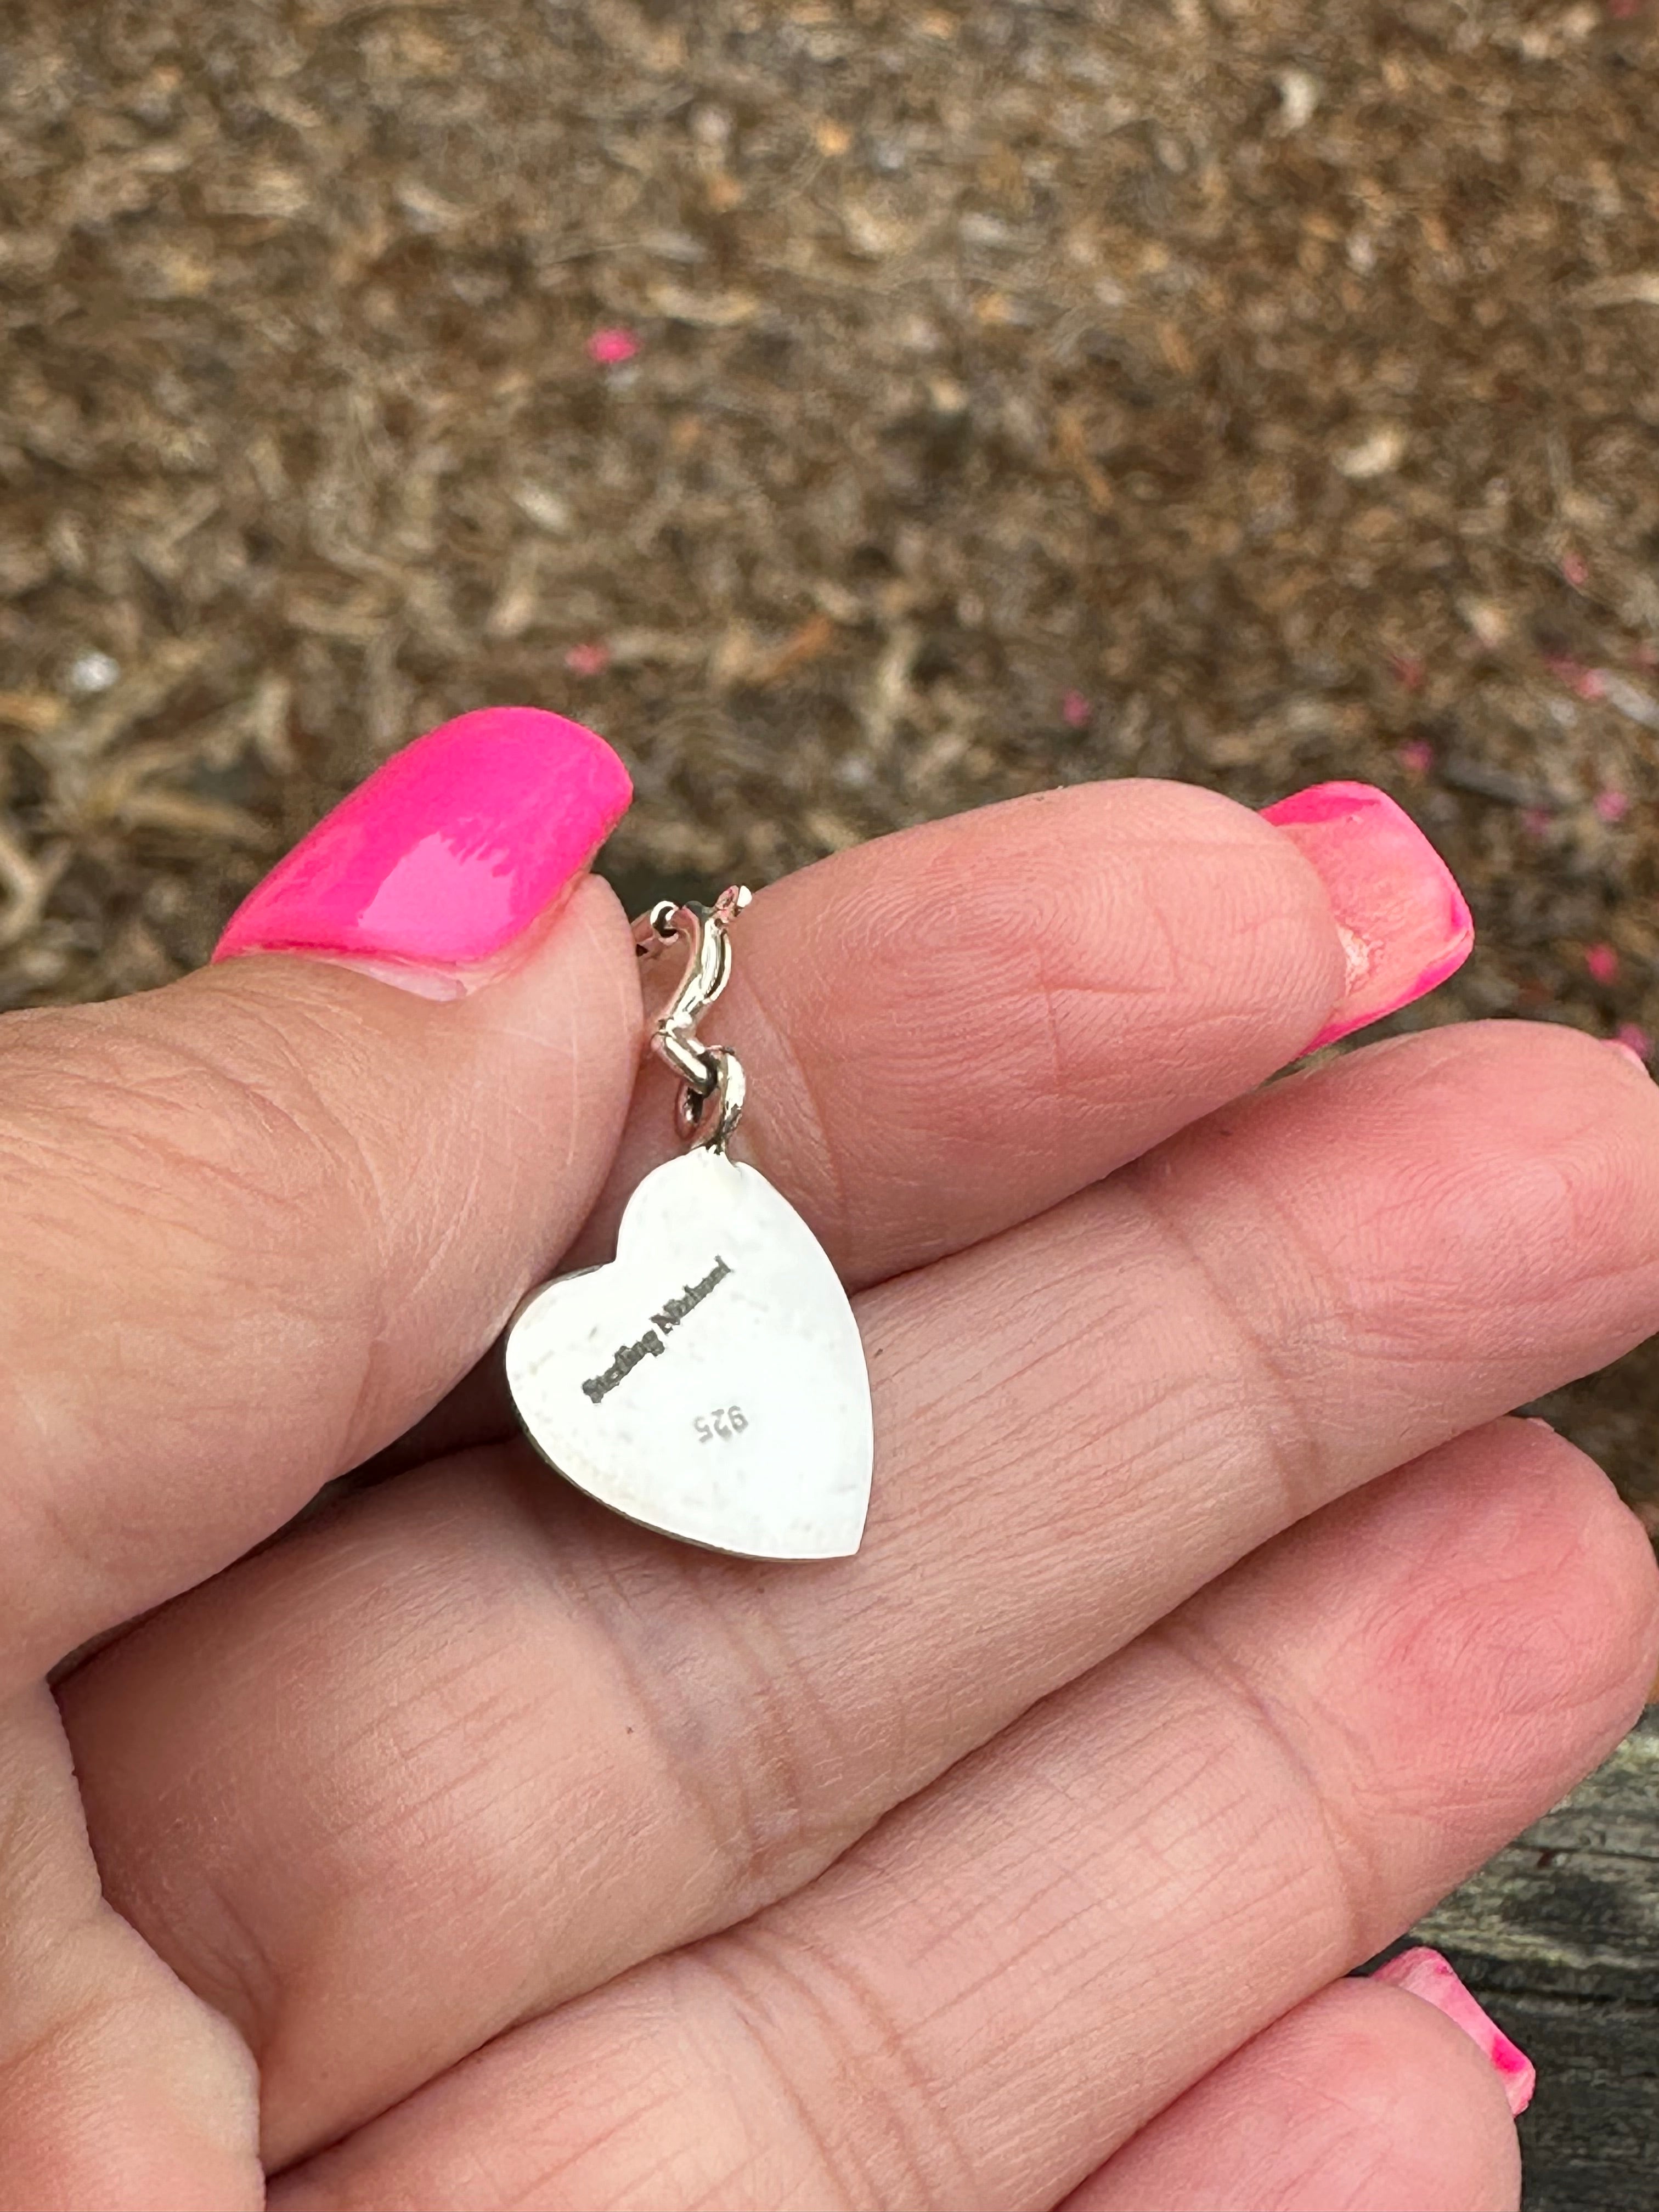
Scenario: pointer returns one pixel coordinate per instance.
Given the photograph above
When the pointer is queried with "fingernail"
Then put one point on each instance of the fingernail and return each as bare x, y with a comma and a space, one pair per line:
1431, 1977
446, 854
1404, 924
1628, 1053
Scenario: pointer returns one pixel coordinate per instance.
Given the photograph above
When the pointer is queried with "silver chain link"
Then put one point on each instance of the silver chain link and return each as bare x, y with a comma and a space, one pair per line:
711, 1085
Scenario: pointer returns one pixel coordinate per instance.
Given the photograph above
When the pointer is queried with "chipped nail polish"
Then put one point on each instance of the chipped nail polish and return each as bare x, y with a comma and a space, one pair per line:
1427, 1975
1404, 924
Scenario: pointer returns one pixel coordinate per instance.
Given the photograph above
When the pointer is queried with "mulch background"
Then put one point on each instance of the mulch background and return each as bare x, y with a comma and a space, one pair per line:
1250, 390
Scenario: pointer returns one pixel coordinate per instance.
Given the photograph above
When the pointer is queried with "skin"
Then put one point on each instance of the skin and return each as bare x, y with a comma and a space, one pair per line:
1211, 1620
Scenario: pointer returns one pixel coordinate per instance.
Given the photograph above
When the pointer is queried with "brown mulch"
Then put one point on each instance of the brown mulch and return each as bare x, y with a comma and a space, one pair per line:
1251, 390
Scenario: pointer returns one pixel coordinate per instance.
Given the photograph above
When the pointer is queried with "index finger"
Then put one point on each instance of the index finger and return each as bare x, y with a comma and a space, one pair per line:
949, 1031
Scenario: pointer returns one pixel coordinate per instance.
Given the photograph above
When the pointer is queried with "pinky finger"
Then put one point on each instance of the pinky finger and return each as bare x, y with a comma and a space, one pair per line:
1363, 2098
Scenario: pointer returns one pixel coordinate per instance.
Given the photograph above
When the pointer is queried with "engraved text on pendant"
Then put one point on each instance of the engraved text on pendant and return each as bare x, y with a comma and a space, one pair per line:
709, 1381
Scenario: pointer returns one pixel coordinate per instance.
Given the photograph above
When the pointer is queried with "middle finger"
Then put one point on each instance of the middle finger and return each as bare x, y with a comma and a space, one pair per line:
478, 1767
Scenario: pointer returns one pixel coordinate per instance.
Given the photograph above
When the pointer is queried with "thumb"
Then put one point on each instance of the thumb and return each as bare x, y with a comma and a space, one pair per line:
260, 1220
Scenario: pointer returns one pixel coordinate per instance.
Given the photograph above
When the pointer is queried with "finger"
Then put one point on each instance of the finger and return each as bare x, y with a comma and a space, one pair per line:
1334, 1276
258, 1221
991, 1993
117, 2088
1362, 2097
948, 1030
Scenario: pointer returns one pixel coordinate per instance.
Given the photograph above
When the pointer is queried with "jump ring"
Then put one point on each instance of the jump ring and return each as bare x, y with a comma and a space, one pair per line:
710, 1117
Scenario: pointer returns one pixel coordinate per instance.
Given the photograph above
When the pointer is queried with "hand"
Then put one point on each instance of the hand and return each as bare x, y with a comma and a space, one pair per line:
1210, 1623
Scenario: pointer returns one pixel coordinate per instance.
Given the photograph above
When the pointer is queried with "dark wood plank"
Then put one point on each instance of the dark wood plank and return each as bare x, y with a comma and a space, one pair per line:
1559, 1936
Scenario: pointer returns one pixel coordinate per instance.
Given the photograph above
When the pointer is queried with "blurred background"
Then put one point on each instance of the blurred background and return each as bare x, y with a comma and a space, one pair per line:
857, 412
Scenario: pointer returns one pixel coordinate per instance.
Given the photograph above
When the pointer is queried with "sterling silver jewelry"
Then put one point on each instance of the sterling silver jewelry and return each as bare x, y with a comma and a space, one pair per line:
709, 1381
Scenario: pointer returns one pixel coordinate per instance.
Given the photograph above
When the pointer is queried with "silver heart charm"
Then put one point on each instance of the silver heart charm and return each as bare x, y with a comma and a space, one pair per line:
710, 1381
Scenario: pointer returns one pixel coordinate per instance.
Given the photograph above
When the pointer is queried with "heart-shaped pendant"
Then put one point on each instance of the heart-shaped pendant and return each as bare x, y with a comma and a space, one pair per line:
709, 1381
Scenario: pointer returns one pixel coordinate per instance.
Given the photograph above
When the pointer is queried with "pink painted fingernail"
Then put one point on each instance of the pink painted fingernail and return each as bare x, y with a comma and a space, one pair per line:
1627, 1052
1404, 924
1428, 1976
446, 854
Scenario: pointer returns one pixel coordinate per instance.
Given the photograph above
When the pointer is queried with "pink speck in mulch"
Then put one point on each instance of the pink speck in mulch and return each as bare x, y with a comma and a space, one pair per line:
1635, 1039
1575, 570
1408, 671
1623, 11
612, 346
1075, 709
590, 659
1612, 806
1416, 756
1536, 820
1585, 683
1602, 961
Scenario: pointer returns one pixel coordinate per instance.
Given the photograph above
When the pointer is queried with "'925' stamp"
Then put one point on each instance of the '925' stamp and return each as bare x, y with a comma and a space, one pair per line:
721, 1426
